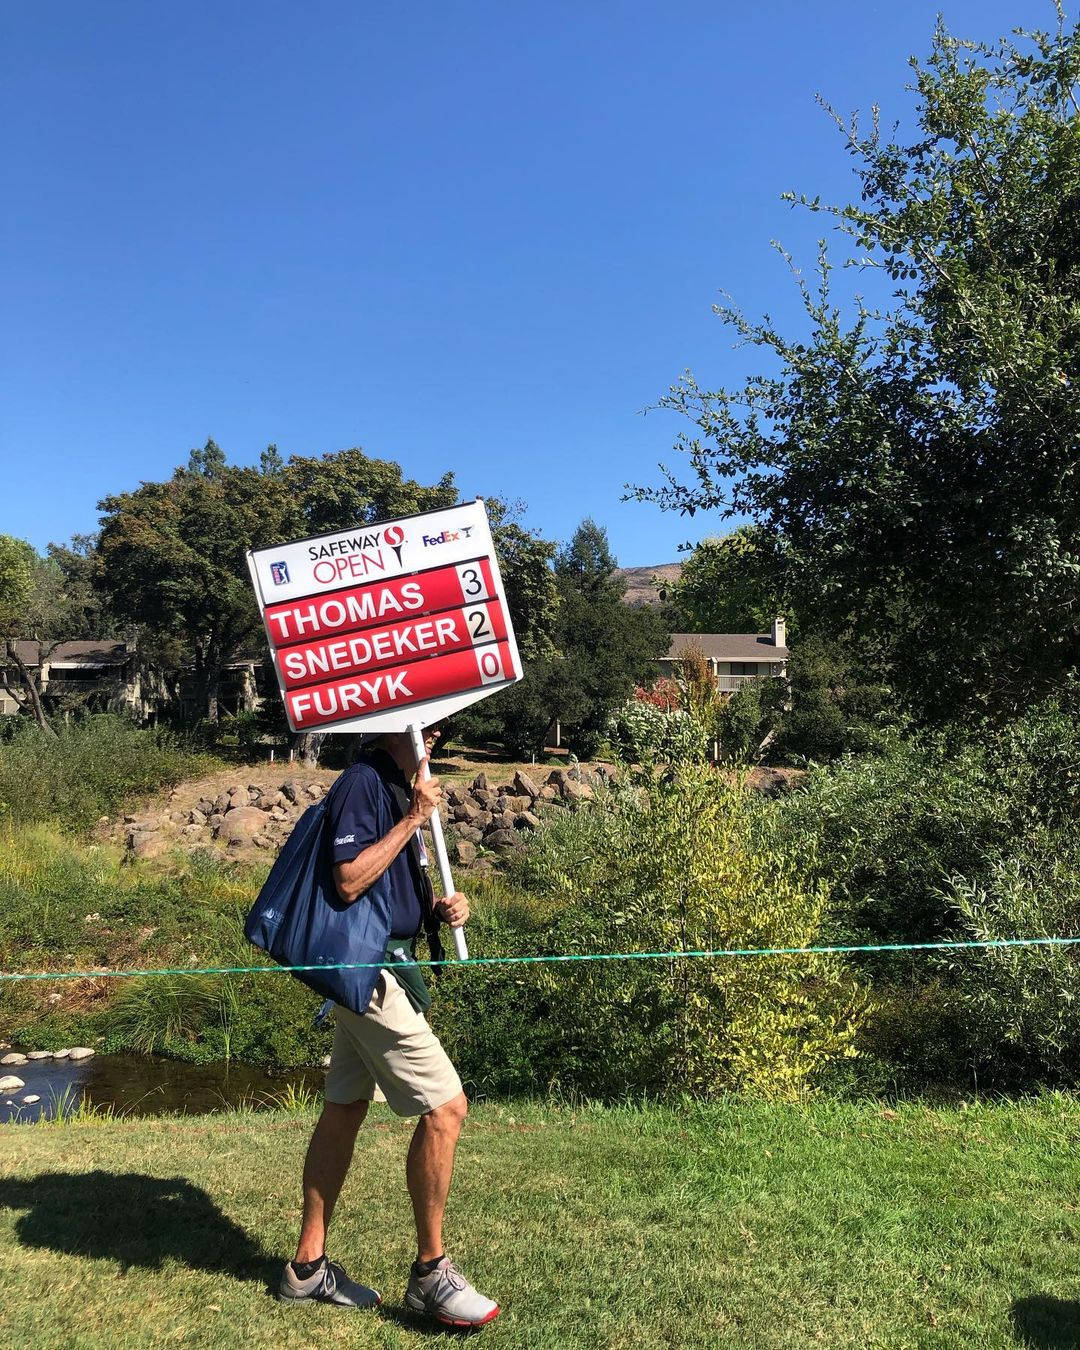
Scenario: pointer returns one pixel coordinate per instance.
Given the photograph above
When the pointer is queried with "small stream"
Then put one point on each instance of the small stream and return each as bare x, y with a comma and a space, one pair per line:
142, 1085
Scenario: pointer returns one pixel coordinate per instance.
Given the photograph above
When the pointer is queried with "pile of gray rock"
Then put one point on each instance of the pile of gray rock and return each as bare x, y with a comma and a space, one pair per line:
499, 818
495, 818
239, 816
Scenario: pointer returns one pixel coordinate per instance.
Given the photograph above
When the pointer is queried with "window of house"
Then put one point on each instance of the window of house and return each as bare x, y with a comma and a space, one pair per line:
748, 668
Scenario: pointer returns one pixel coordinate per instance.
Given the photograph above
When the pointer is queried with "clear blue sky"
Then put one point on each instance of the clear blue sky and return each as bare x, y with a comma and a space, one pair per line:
468, 236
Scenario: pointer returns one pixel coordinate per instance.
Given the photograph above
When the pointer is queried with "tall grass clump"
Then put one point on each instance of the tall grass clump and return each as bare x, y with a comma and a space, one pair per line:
87, 769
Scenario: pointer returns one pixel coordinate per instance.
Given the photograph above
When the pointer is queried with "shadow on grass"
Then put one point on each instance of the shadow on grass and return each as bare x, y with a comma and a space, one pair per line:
1047, 1323
417, 1322
134, 1220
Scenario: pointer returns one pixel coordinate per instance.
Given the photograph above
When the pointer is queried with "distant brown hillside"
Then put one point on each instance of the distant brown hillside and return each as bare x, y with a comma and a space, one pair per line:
641, 582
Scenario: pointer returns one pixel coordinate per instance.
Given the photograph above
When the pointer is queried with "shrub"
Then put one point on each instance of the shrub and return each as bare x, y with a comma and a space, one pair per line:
87, 770
887, 831
642, 733
1018, 1008
692, 862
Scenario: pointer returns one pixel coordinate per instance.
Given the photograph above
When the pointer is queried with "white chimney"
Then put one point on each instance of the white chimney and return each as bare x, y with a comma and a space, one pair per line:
779, 632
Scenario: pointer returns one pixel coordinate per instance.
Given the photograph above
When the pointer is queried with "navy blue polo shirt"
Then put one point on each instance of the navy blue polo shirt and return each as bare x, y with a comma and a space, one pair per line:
361, 814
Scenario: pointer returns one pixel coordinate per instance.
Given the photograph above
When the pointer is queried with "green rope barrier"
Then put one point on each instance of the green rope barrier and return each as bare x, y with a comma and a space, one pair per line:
571, 956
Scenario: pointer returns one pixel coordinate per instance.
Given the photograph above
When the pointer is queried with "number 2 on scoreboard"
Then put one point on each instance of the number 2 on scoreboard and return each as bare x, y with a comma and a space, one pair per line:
479, 623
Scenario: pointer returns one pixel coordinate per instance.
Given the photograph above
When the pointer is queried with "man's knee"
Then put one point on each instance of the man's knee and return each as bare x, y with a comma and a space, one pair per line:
451, 1115
345, 1116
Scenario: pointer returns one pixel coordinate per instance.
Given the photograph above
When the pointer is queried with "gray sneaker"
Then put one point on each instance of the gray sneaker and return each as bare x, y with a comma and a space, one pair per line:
329, 1284
448, 1296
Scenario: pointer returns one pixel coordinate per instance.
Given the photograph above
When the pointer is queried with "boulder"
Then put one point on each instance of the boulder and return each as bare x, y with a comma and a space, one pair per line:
221, 803
241, 825
148, 844
81, 1052
9, 1083
525, 785
61, 1054
466, 810
468, 833
38, 1054
573, 791
525, 820
548, 793
466, 851
14, 1058
503, 841
479, 783
291, 791
31, 1098
197, 817
505, 820
206, 806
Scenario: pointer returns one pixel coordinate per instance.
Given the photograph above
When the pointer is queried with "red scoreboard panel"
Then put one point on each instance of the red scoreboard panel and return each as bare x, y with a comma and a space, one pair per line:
386, 645
397, 686
356, 607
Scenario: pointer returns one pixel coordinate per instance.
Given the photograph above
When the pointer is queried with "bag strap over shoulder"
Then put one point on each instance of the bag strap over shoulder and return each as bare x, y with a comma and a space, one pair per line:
397, 785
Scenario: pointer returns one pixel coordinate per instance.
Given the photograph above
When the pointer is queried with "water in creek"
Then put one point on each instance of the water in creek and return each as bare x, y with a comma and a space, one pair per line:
141, 1085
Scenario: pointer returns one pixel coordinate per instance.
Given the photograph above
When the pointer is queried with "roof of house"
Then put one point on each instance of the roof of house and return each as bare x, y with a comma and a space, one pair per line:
97, 652
729, 646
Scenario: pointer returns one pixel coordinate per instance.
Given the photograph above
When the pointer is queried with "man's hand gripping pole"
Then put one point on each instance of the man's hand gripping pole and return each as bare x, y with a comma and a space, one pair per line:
458, 934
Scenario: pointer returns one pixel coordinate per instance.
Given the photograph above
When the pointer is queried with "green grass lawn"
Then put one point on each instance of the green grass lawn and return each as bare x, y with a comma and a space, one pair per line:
730, 1225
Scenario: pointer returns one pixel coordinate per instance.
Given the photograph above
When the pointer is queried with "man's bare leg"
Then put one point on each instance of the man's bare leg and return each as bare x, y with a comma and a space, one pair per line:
429, 1169
325, 1168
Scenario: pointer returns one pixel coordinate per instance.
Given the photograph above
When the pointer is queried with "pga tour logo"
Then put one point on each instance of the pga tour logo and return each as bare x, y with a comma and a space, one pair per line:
280, 573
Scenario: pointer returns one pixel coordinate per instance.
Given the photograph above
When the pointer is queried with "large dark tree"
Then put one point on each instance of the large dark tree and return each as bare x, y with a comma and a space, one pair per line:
606, 646
914, 471
172, 555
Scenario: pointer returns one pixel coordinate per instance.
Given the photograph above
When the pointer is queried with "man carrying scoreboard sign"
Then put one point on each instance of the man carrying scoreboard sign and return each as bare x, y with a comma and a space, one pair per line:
385, 631
390, 1048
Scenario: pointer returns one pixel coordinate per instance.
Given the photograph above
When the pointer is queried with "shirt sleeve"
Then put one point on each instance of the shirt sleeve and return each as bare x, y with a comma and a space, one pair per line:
358, 819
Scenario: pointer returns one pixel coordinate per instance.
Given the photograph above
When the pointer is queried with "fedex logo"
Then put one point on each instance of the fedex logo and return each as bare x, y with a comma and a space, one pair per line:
447, 536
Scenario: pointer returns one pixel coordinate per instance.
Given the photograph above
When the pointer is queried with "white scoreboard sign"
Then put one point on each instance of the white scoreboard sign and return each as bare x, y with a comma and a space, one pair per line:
387, 626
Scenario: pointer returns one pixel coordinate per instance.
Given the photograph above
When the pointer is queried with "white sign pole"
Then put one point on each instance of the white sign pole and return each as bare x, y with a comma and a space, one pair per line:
458, 934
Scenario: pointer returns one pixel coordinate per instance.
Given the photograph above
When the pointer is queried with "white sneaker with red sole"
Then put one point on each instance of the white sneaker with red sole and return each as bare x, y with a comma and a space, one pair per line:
447, 1295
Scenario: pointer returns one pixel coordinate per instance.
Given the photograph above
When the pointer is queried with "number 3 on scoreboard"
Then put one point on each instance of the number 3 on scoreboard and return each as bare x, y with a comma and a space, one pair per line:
489, 664
471, 579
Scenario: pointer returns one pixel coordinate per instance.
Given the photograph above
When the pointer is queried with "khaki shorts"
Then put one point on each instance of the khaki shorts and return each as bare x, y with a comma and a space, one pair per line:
392, 1048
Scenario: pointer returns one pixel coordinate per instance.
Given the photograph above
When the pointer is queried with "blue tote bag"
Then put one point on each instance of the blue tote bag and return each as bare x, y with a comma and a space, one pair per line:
300, 920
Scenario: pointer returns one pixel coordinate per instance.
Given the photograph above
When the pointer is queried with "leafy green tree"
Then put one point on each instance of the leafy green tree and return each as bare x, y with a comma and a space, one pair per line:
44, 601
525, 560
913, 470
607, 646
171, 556
721, 588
